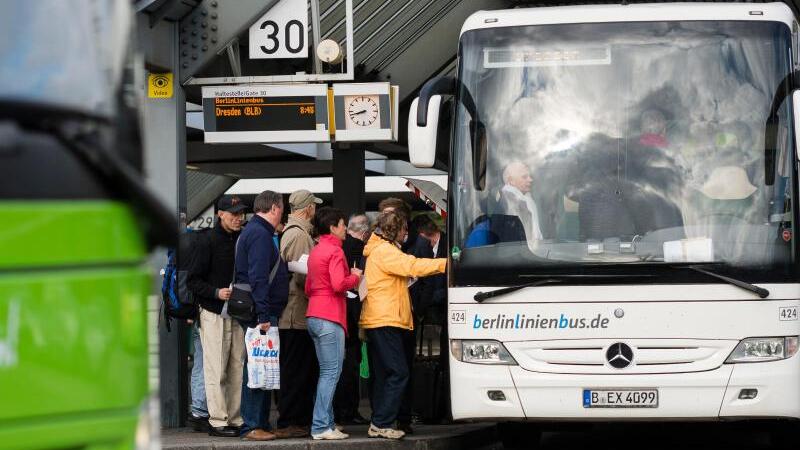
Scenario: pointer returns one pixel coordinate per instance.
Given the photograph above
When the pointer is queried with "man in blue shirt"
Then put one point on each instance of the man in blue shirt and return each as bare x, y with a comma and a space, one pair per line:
256, 254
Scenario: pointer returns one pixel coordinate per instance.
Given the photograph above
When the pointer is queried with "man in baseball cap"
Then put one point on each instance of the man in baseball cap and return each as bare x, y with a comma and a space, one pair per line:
302, 199
231, 204
222, 339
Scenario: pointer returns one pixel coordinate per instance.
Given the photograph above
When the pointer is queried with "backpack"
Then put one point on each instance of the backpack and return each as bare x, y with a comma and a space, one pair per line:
177, 301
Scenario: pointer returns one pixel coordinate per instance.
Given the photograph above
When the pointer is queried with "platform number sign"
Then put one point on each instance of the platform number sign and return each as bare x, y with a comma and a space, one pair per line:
281, 32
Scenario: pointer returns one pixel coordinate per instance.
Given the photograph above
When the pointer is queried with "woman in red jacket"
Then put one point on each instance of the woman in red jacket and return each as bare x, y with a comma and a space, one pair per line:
327, 281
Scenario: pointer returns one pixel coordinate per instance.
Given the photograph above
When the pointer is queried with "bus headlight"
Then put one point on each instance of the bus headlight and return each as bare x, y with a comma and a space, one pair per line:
764, 349
481, 352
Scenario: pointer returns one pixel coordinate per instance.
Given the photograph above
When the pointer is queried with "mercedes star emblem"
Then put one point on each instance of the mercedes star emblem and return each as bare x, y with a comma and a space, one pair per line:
619, 355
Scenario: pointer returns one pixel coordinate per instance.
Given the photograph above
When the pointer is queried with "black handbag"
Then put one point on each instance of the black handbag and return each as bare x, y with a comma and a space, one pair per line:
240, 304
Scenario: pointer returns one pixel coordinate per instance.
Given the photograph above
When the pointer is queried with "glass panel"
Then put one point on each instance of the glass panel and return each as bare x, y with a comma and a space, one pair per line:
599, 145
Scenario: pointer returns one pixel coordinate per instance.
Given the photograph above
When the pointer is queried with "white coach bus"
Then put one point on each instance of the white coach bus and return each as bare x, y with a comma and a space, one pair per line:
621, 214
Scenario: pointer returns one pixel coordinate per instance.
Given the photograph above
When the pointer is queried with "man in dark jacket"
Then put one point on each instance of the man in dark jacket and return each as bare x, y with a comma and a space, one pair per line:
222, 339
346, 398
433, 289
257, 254
401, 207
430, 307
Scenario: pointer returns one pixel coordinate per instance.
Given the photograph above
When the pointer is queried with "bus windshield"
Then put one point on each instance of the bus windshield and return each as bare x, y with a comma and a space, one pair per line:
621, 147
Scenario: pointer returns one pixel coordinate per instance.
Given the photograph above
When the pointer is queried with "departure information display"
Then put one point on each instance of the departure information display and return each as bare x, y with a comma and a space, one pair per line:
264, 114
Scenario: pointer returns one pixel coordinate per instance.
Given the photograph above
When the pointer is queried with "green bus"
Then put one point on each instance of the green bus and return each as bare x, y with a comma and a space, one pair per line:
77, 228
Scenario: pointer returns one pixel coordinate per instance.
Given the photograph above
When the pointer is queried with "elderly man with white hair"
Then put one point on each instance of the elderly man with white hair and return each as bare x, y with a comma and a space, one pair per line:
346, 398
516, 199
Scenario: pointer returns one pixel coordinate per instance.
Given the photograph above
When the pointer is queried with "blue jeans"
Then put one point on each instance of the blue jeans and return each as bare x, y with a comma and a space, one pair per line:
199, 406
390, 373
328, 340
255, 402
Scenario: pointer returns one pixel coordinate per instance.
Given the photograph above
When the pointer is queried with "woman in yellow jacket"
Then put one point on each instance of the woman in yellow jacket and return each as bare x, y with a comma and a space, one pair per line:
386, 316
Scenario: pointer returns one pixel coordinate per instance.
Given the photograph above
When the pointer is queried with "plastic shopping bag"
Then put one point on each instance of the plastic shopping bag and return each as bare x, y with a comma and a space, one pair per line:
263, 356
364, 367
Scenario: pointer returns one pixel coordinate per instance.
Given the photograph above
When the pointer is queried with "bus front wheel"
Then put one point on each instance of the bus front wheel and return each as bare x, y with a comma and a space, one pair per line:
519, 436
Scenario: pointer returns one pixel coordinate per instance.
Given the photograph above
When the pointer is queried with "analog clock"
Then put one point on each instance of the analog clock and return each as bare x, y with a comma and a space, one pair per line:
362, 111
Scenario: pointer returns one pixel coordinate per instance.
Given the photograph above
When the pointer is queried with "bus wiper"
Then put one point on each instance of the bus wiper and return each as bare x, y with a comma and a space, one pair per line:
481, 296
761, 292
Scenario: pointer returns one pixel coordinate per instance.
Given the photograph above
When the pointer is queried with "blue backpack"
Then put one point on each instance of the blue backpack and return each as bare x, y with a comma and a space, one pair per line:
177, 300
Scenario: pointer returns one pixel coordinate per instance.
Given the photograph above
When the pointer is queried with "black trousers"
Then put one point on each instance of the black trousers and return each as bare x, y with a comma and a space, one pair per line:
407, 340
299, 374
389, 372
346, 398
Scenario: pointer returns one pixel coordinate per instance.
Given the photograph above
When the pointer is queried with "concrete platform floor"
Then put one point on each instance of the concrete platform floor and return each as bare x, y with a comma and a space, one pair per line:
425, 437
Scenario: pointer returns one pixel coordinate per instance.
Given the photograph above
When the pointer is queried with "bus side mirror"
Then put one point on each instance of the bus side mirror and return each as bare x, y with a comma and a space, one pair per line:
773, 135
423, 120
422, 139
773, 125
770, 150
479, 154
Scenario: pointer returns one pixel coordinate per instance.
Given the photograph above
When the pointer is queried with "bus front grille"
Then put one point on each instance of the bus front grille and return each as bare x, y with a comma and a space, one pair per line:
647, 355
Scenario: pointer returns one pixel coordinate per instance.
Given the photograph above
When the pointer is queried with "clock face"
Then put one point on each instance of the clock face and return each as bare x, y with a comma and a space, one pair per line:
362, 111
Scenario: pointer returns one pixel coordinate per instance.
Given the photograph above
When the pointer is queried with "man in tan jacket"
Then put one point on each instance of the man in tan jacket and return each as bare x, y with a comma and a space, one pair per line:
299, 367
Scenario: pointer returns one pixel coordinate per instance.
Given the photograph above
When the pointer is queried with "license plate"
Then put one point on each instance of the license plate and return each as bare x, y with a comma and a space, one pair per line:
620, 398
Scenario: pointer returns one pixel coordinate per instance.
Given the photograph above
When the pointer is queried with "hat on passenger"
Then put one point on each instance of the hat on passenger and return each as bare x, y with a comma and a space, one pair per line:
302, 198
232, 204
728, 183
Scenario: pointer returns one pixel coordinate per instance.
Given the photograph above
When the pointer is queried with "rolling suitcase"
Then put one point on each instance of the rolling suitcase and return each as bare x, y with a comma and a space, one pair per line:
428, 382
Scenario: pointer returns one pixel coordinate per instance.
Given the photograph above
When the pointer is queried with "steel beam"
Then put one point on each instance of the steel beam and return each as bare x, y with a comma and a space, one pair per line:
234, 58
157, 43
348, 178
208, 30
267, 169
164, 139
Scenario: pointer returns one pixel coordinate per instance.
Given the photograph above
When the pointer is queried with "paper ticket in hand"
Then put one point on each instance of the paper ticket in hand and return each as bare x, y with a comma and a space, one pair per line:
299, 266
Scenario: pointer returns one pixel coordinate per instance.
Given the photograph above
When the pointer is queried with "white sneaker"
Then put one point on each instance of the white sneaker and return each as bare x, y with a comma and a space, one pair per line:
386, 433
330, 435
338, 427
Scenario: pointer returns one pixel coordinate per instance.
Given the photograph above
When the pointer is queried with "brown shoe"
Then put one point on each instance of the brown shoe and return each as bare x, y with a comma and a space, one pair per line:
290, 432
258, 435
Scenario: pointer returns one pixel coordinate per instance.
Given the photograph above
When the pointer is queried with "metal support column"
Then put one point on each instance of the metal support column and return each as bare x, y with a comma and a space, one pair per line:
315, 33
348, 177
165, 169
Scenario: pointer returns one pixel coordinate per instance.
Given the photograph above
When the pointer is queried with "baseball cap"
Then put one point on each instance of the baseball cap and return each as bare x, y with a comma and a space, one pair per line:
231, 204
302, 198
